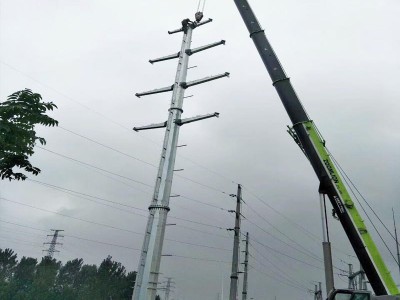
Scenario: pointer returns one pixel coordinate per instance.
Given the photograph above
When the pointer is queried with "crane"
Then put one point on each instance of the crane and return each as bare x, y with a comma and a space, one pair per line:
307, 136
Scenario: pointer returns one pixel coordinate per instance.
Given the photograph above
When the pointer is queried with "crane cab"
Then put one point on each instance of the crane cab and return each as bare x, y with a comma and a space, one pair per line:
349, 295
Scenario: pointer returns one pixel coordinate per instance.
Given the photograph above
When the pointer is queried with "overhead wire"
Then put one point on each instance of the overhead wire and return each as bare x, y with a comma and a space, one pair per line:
282, 233
102, 115
286, 255
348, 180
84, 195
108, 147
296, 225
108, 119
103, 225
305, 253
345, 178
141, 160
278, 280
88, 196
71, 236
130, 206
95, 167
281, 271
285, 243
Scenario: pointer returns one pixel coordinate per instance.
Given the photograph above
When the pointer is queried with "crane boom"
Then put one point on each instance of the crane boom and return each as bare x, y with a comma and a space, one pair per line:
313, 145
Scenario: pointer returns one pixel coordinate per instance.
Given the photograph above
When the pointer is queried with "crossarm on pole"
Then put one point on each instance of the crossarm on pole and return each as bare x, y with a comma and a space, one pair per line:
151, 126
202, 48
156, 91
196, 118
172, 56
203, 80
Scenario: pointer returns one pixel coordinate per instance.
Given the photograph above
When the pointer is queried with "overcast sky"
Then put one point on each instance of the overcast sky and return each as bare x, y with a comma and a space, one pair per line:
91, 57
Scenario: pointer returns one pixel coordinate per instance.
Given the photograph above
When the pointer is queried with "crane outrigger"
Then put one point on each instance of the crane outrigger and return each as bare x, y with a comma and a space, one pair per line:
306, 134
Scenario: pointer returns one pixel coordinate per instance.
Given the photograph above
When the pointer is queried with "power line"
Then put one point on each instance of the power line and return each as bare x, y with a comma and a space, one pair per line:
22, 241
66, 96
108, 147
313, 255
108, 119
363, 209
274, 265
287, 244
74, 237
205, 232
286, 255
280, 281
71, 192
362, 197
199, 258
87, 196
130, 206
71, 217
106, 225
92, 166
296, 225
128, 178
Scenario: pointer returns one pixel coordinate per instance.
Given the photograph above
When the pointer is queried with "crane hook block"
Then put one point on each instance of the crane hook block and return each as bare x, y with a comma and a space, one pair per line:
199, 15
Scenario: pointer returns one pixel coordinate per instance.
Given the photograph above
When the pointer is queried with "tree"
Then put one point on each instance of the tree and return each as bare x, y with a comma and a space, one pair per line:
111, 278
18, 116
8, 263
67, 279
24, 275
87, 288
50, 280
43, 285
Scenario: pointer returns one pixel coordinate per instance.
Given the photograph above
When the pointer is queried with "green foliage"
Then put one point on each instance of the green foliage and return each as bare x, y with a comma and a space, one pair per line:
50, 280
8, 263
21, 283
18, 116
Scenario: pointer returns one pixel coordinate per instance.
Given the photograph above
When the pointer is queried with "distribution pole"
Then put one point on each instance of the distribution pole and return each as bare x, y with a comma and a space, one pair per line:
235, 256
318, 291
246, 268
53, 243
397, 240
150, 257
351, 278
361, 279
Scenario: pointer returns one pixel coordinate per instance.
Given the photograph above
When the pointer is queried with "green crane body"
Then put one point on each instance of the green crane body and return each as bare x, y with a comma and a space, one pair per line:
308, 138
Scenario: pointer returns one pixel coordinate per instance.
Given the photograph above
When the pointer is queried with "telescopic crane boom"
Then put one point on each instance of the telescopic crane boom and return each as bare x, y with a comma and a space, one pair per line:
307, 136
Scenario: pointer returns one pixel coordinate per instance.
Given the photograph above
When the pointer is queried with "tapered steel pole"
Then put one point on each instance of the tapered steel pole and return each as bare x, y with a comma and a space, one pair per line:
150, 258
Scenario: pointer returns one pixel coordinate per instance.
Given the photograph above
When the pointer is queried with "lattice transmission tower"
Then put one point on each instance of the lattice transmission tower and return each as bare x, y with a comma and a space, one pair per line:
53, 243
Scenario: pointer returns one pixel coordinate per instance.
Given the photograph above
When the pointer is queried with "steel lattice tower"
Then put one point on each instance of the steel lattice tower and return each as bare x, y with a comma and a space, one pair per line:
53, 243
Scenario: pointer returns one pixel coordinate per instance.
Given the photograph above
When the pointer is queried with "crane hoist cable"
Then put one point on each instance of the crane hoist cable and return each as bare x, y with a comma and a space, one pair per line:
199, 13
199, 4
